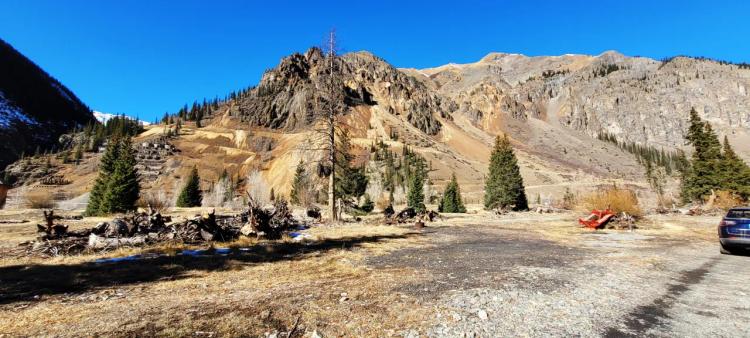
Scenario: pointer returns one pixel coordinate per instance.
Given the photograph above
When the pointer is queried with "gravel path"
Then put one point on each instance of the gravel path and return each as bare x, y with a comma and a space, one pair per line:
491, 281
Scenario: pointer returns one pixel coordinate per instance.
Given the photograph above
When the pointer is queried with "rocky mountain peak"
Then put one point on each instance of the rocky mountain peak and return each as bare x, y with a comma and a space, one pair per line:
284, 97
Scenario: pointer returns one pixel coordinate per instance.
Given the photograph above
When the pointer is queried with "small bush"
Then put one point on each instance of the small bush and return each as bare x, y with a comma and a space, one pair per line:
158, 201
40, 200
367, 206
726, 200
569, 200
382, 202
616, 199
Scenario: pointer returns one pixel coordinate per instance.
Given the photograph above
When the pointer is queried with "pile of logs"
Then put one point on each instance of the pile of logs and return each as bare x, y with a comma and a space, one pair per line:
151, 227
409, 214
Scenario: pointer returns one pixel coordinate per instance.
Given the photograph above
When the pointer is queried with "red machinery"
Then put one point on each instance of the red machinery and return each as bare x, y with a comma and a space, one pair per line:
597, 219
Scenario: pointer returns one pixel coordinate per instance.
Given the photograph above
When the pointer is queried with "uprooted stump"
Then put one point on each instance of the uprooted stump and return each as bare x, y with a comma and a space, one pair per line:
204, 229
409, 214
268, 223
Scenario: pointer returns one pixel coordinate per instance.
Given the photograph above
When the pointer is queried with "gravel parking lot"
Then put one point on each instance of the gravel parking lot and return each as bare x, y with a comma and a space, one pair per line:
495, 280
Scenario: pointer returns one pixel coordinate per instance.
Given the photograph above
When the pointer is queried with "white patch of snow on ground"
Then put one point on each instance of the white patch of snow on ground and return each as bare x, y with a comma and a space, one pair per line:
9, 113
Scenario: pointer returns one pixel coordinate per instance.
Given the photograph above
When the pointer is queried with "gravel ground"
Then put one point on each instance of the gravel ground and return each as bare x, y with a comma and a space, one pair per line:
491, 281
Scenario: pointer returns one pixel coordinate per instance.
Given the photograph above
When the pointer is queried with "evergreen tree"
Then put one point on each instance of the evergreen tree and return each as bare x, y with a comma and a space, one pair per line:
351, 182
122, 186
504, 184
273, 195
299, 185
735, 173
191, 195
704, 173
415, 196
451, 201
106, 168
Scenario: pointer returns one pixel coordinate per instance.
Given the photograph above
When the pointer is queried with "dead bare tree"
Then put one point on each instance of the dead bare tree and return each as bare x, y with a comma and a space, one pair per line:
331, 56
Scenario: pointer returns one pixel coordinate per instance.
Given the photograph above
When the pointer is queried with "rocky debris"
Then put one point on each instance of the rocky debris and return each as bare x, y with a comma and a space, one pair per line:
152, 155
30, 170
54, 180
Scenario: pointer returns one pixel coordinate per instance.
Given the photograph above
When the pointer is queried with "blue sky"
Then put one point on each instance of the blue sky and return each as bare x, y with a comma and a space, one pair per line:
143, 58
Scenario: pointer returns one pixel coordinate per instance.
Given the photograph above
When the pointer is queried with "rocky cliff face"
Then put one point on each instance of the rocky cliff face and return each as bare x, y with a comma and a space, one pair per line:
35, 109
636, 99
285, 96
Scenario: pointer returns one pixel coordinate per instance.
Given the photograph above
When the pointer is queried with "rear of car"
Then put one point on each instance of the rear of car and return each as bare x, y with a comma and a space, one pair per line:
734, 231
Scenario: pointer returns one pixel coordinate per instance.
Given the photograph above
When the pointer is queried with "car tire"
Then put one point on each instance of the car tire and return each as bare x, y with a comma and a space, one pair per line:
724, 250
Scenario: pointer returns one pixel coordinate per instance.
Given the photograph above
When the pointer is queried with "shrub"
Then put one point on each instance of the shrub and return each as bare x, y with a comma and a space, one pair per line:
726, 200
382, 202
157, 201
258, 188
569, 200
40, 200
616, 199
367, 205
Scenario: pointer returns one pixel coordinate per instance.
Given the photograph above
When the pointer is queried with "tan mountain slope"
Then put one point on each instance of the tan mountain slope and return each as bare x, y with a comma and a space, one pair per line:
552, 108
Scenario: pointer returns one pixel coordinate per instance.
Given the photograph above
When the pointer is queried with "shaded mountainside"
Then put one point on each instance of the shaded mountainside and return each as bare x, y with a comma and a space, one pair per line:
35, 108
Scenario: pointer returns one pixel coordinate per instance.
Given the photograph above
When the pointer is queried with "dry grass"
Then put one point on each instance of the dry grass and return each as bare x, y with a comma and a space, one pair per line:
614, 198
234, 296
726, 200
40, 200
156, 200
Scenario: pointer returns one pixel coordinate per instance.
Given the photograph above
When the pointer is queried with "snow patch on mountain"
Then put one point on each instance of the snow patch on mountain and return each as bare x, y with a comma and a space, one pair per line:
104, 117
9, 114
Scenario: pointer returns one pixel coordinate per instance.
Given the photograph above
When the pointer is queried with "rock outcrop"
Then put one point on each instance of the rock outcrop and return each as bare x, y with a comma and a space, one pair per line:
285, 96
633, 98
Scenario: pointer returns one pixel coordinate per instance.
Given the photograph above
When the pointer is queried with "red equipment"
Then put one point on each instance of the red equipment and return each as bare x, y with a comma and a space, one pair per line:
597, 219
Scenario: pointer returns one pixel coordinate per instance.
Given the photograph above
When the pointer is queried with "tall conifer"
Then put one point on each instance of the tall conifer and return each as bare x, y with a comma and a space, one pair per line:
451, 201
191, 194
504, 184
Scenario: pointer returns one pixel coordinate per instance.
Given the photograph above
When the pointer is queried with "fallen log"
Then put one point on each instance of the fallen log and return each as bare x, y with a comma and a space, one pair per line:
99, 242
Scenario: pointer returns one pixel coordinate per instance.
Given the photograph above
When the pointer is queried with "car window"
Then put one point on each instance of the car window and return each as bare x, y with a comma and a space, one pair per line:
738, 214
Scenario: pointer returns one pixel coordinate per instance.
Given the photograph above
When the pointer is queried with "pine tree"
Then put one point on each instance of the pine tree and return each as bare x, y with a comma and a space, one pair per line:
122, 187
299, 185
351, 182
106, 167
735, 173
451, 201
415, 196
504, 184
704, 174
273, 195
191, 195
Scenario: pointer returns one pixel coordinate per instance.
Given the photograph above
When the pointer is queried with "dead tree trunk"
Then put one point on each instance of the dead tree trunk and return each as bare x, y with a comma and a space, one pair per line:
332, 132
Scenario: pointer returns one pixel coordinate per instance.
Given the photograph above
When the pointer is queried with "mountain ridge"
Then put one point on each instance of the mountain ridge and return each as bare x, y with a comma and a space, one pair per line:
35, 107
